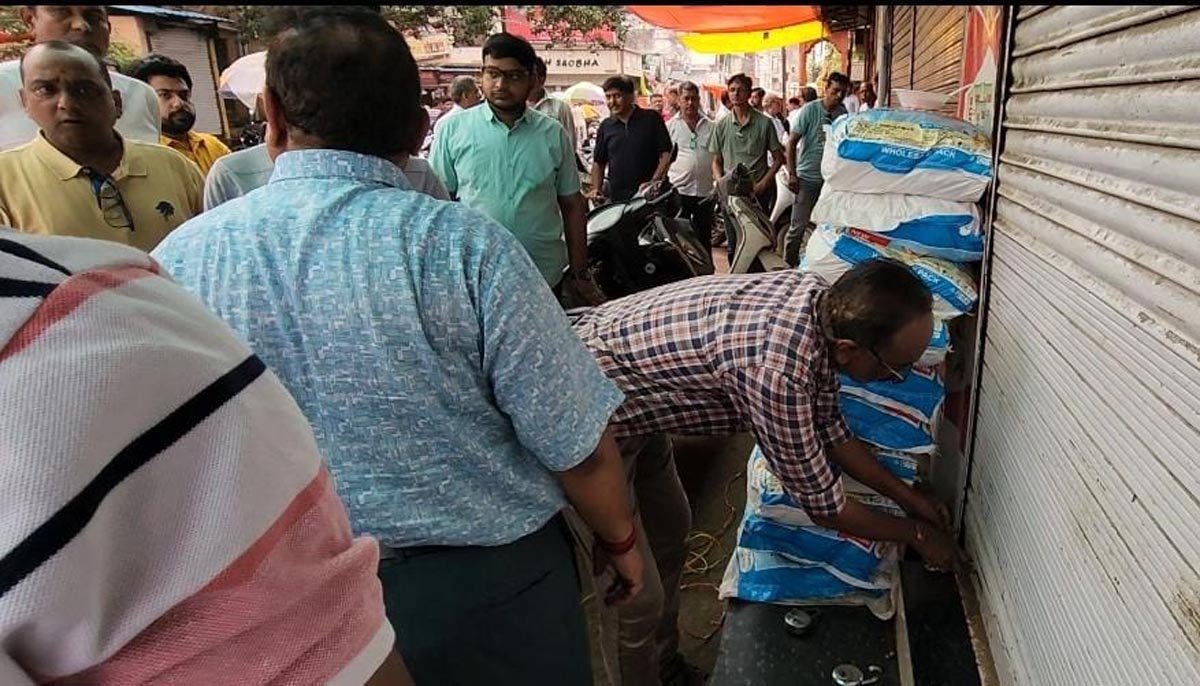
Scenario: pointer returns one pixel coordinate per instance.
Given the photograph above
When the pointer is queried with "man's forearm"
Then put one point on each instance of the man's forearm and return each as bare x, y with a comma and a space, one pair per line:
597, 176
718, 167
856, 460
664, 164
864, 521
575, 231
790, 154
600, 493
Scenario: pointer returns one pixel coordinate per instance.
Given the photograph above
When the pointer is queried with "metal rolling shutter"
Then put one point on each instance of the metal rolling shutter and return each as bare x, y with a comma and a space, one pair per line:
191, 48
927, 48
938, 55
1085, 487
902, 46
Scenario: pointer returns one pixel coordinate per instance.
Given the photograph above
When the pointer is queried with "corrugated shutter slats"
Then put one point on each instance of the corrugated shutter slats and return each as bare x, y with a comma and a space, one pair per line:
902, 41
927, 49
1085, 488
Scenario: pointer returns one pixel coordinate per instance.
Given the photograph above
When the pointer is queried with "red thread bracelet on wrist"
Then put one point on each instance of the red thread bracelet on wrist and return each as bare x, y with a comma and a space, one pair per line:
622, 547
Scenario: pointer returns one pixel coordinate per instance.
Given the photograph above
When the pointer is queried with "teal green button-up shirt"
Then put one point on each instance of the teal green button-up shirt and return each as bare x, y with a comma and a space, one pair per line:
515, 176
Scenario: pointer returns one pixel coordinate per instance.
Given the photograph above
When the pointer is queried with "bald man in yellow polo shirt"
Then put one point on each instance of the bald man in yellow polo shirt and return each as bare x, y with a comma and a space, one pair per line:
79, 177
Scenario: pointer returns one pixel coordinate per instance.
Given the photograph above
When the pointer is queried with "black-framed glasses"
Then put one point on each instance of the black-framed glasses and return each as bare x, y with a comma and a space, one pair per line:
510, 75
898, 375
110, 201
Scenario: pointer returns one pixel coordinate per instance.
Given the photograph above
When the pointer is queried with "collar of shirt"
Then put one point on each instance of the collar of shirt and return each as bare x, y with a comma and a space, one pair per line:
702, 122
193, 143
66, 168
749, 119
490, 115
342, 164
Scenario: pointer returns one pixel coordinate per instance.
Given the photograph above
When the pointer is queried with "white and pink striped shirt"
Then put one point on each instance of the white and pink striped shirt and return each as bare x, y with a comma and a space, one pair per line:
166, 516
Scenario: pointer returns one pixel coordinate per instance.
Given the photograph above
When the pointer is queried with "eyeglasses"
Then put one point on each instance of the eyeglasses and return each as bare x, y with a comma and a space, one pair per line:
898, 375
109, 200
512, 76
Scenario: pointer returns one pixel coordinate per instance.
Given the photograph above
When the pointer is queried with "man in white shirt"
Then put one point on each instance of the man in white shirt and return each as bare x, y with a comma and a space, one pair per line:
86, 26
852, 102
723, 107
464, 92
554, 108
773, 107
236, 174
691, 172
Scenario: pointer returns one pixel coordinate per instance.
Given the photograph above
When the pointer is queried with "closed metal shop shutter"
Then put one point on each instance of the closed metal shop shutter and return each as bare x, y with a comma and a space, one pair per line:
927, 48
903, 23
1083, 514
938, 55
191, 48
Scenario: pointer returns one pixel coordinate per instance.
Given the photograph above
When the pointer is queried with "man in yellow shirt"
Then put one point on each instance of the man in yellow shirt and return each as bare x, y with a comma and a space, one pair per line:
78, 176
173, 84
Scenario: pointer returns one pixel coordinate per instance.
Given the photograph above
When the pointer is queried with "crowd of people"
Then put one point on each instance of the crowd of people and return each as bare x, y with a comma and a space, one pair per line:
336, 427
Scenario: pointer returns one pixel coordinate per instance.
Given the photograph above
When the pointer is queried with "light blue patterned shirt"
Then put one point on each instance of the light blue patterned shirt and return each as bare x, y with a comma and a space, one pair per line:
443, 389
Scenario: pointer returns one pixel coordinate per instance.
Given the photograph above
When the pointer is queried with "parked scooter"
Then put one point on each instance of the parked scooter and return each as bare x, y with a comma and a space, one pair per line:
641, 243
756, 243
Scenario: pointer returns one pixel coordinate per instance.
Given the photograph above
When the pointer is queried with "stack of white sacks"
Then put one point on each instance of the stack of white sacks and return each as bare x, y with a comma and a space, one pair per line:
899, 184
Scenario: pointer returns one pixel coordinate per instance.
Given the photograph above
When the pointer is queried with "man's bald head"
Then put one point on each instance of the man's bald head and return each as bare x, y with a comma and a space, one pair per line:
68, 50
68, 92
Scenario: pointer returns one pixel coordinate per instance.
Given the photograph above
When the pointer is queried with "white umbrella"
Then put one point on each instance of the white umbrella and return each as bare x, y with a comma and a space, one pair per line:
245, 78
584, 91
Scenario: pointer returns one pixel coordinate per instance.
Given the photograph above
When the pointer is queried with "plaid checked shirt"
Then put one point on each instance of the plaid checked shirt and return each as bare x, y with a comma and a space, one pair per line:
723, 354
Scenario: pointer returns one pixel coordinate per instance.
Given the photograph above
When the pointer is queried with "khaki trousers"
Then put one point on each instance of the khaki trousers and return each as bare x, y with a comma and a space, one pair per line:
630, 643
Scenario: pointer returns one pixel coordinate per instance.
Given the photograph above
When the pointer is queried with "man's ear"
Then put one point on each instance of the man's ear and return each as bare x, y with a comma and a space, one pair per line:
845, 350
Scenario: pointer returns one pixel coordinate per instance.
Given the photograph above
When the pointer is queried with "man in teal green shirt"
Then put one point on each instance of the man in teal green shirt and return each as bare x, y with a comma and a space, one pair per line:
804, 175
517, 166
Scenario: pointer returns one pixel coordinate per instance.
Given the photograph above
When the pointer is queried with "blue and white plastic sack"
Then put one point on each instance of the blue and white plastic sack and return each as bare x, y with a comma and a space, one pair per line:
766, 577
804, 564
939, 345
927, 226
898, 416
833, 250
766, 498
902, 151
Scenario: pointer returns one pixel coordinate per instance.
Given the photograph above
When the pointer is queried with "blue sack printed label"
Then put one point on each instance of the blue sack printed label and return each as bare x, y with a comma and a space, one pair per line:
896, 159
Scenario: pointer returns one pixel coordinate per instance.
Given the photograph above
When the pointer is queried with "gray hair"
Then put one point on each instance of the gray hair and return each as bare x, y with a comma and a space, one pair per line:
689, 86
461, 87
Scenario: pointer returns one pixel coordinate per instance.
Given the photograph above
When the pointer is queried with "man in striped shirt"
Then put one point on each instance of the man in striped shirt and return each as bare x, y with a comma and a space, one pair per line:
167, 516
761, 353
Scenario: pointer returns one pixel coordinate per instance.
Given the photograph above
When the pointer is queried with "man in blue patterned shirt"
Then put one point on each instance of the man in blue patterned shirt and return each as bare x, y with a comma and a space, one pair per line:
457, 409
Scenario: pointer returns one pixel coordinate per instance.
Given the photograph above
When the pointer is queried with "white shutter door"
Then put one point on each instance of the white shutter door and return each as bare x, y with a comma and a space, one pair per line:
1084, 509
191, 48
